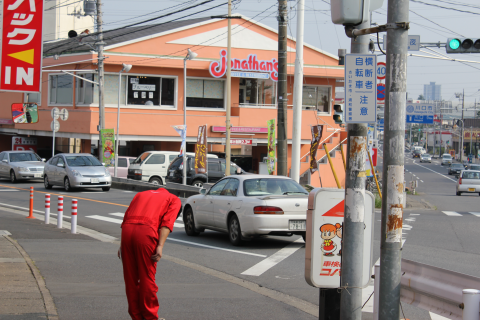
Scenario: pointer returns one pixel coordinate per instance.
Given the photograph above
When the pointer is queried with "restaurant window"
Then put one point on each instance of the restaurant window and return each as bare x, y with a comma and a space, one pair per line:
86, 91
316, 97
205, 93
258, 92
61, 89
151, 91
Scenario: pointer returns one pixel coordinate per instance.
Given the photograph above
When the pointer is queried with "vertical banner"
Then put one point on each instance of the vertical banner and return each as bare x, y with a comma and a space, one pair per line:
182, 131
271, 147
108, 145
316, 136
21, 47
201, 150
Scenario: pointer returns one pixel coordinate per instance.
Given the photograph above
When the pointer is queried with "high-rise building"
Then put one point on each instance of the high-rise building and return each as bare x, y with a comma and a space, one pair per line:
61, 17
432, 91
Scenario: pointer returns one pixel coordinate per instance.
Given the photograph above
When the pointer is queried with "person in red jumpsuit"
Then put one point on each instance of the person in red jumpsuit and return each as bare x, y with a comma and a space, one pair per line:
146, 225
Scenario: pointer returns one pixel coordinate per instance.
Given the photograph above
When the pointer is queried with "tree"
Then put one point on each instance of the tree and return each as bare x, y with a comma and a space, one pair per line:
420, 97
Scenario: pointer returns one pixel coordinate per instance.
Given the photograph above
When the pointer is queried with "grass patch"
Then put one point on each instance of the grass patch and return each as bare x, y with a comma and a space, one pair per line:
378, 201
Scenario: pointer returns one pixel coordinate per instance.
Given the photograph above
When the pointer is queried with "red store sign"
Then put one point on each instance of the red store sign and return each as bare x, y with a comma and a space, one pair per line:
241, 129
219, 68
241, 141
21, 55
24, 144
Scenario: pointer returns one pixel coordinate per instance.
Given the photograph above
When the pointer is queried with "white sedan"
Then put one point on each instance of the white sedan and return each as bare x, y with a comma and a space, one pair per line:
248, 206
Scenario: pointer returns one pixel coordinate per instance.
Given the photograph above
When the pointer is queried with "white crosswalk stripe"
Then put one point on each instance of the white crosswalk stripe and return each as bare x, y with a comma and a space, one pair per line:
452, 213
120, 214
476, 214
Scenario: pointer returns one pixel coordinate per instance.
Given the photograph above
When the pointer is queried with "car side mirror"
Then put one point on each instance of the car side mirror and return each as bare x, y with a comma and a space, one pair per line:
203, 191
60, 165
43, 159
5, 160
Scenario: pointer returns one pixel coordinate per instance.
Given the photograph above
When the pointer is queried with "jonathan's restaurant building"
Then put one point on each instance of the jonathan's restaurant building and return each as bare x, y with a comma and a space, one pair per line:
152, 99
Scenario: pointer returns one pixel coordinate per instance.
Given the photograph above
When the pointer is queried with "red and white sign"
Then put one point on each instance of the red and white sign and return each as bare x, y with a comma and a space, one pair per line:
24, 144
381, 70
241, 129
324, 237
241, 141
374, 156
219, 68
21, 56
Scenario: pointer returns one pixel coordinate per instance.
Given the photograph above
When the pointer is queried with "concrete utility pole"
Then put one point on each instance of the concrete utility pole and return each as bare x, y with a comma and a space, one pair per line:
229, 90
298, 94
393, 162
282, 147
101, 105
353, 225
463, 125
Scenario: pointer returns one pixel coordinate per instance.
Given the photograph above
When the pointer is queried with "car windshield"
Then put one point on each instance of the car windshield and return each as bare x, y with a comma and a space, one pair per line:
82, 161
456, 165
447, 157
475, 167
272, 186
141, 157
24, 156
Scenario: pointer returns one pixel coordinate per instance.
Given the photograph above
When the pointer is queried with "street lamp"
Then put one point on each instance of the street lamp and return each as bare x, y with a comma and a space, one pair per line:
190, 56
126, 68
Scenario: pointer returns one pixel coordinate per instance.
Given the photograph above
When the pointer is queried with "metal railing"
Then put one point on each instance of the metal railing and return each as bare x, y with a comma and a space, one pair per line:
321, 143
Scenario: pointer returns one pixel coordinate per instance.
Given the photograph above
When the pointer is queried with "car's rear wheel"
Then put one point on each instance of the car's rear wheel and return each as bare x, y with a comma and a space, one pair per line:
234, 231
66, 184
459, 193
189, 223
197, 183
13, 177
46, 183
156, 181
304, 236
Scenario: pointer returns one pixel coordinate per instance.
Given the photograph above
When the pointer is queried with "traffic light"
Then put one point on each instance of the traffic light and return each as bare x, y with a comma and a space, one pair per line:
339, 114
463, 45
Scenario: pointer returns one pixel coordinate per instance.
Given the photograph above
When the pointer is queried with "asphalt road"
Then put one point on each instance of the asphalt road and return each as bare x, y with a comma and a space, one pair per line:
431, 236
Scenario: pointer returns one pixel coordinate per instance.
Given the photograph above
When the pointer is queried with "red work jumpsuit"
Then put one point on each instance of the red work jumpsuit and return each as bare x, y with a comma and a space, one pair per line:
147, 213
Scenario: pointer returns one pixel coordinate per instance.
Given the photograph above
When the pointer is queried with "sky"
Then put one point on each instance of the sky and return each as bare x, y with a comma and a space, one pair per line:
432, 23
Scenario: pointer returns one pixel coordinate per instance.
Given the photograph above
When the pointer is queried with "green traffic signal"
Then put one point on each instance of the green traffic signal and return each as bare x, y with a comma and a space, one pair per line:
454, 44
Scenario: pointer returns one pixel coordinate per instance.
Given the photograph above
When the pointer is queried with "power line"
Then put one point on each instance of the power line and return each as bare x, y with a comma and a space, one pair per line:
442, 7
435, 23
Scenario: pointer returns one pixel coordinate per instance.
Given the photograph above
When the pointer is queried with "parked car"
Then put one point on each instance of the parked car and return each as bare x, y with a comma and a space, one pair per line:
426, 158
21, 165
247, 206
472, 166
215, 171
122, 167
152, 166
455, 168
76, 170
468, 182
446, 159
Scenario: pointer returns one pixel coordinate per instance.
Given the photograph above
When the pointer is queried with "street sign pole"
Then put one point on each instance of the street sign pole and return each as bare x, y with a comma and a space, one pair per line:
393, 162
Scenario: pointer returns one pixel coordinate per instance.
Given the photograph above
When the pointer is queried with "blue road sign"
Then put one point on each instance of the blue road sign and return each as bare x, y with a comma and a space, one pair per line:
419, 119
381, 121
420, 112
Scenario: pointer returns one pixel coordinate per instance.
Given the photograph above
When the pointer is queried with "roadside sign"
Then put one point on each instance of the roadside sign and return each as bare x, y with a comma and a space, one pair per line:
55, 113
64, 114
21, 46
413, 43
381, 121
381, 70
381, 91
324, 237
420, 112
24, 144
360, 88
55, 124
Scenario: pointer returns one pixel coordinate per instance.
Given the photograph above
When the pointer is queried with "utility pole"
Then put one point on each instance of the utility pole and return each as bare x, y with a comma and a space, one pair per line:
353, 225
229, 90
298, 94
282, 147
463, 125
101, 105
393, 162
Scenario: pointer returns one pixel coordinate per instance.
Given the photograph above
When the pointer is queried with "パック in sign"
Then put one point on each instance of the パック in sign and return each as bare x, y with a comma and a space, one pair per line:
21, 57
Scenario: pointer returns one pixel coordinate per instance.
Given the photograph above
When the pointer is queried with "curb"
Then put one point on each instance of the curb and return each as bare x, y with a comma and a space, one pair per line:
50, 308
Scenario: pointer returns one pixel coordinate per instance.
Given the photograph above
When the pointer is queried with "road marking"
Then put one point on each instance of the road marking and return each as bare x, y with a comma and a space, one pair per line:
414, 214
64, 216
105, 219
217, 248
452, 213
422, 181
176, 224
274, 259
476, 214
17, 207
7, 190
436, 172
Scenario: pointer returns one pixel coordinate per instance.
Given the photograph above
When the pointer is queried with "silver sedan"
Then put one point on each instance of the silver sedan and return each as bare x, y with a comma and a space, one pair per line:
21, 165
247, 206
76, 170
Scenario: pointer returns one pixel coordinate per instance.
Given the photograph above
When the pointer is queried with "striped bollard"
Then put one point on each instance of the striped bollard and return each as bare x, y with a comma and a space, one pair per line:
74, 216
30, 211
47, 209
60, 212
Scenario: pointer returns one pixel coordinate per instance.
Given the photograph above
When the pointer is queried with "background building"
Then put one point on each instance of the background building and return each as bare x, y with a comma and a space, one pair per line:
432, 91
61, 17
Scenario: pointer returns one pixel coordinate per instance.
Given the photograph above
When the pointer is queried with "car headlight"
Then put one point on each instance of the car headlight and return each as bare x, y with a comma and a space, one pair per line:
107, 173
137, 172
22, 169
76, 173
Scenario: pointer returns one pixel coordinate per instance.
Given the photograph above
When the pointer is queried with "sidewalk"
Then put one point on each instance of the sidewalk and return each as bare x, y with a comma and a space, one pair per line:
85, 280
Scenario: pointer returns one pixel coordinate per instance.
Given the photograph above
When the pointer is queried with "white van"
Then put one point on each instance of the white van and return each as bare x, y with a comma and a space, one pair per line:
152, 166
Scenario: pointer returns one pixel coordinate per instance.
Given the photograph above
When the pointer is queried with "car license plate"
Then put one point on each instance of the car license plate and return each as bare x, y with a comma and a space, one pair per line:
95, 180
37, 175
172, 174
297, 225
471, 189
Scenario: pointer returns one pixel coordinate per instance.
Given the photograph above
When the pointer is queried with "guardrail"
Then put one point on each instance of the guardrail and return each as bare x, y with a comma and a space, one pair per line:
450, 294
